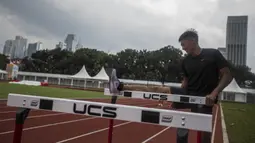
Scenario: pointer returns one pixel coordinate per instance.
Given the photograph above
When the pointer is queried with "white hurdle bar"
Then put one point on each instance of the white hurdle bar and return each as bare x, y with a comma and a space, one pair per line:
178, 119
159, 96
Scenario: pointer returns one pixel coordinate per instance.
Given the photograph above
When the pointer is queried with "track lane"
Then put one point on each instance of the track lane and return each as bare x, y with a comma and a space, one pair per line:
32, 122
96, 132
31, 113
124, 134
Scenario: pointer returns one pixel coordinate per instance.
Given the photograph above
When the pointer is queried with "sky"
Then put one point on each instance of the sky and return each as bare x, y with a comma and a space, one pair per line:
114, 25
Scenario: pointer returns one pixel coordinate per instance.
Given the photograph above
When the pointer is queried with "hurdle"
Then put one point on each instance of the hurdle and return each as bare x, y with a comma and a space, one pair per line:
161, 96
161, 117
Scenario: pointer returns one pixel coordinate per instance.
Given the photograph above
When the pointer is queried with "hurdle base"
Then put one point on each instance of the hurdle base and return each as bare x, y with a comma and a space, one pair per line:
21, 116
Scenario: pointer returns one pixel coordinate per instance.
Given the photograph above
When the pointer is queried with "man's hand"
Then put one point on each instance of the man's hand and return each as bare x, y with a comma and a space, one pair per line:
210, 99
225, 79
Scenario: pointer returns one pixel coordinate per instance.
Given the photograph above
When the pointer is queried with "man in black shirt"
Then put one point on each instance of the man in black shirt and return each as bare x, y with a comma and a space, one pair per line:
206, 73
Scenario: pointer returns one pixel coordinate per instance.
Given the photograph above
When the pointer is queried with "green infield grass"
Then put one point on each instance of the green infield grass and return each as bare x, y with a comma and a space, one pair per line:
6, 88
240, 122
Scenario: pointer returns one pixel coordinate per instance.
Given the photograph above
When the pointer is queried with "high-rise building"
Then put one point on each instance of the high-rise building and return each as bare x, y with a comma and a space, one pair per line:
15, 49
20, 47
33, 48
70, 42
236, 39
8, 48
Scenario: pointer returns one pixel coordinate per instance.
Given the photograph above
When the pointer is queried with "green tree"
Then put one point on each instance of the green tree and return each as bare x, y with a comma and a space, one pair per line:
168, 59
242, 74
3, 61
156, 65
127, 64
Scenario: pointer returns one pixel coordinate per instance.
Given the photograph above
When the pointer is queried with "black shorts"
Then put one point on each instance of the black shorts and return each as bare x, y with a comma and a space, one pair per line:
194, 107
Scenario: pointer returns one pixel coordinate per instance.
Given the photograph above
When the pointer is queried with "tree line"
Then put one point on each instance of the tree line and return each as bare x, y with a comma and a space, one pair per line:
158, 65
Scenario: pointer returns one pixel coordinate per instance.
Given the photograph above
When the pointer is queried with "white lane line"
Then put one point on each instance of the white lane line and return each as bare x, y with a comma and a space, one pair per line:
48, 125
7, 112
214, 125
10, 119
223, 124
90, 133
156, 135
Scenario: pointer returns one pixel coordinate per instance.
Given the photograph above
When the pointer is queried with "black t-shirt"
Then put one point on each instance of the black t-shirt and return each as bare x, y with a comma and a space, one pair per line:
202, 71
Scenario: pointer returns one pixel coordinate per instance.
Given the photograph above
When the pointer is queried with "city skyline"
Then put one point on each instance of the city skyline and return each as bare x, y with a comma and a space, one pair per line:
70, 43
124, 24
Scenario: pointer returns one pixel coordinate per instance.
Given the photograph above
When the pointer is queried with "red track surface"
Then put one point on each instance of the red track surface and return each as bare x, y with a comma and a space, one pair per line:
52, 127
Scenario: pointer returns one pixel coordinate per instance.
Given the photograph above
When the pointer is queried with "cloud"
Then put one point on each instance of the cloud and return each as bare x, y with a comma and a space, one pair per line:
117, 24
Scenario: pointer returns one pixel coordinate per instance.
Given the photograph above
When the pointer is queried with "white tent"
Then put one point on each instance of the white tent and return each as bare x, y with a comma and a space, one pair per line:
234, 88
82, 74
102, 75
2, 71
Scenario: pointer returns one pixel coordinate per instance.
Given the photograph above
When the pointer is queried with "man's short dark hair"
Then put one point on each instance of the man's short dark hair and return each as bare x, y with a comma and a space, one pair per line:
190, 34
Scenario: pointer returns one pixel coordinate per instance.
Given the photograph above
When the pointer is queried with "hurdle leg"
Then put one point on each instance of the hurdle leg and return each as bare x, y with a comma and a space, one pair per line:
199, 137
182, 135
203, 137
113, 101
21, 116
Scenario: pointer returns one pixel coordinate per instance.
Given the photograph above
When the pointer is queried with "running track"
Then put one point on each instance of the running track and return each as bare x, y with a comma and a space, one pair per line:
53, 127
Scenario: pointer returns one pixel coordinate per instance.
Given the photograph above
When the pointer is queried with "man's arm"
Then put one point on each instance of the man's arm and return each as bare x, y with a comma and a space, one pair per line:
225, 79
184, 82
185, 74
225, 74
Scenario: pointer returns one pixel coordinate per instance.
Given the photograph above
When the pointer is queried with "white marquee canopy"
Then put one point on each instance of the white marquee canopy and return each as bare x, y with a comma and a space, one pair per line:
82, 74
102, 75
234, 87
